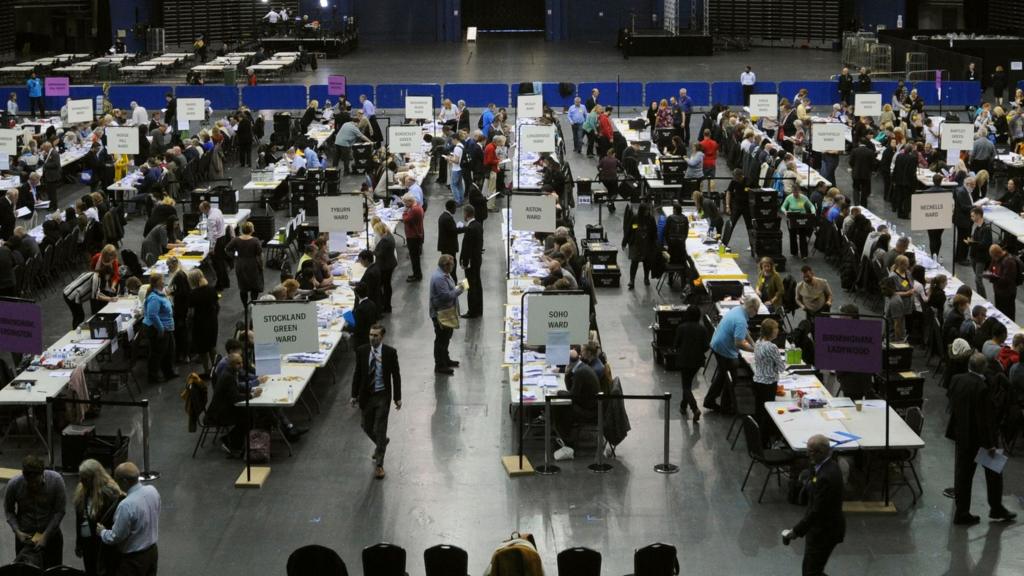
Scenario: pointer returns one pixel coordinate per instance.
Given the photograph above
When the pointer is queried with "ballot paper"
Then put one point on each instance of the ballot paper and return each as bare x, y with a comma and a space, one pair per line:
834, 415
268, 358
994, 462
557, 348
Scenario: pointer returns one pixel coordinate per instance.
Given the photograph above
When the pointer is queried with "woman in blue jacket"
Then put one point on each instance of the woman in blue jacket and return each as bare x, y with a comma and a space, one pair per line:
35, 95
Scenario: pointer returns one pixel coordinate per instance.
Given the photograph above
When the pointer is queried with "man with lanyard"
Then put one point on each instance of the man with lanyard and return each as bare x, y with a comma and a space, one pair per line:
685, 105
577, 116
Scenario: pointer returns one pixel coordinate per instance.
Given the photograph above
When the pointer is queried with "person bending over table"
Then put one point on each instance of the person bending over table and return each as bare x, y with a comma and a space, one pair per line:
731, 335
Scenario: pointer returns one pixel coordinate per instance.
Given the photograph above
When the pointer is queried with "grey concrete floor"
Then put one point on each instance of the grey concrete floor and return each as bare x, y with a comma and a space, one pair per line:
445, 482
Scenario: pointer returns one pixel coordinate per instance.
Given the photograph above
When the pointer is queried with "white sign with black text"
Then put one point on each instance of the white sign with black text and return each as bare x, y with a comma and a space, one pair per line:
419, 107
563, 313
764, 105
957, 136
537, 138
828, 137
932, 211
342, 213
405, 139
290, 325
529, 106
9, 142
191, 109
79, 111
867, 104
122, 140
533, 212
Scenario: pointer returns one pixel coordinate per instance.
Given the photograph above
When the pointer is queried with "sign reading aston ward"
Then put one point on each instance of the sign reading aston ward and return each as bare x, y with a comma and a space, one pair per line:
848, 344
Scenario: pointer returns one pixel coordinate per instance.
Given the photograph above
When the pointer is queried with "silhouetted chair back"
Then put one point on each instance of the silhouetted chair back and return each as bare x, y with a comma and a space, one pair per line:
64, 571
655, 560
316, 559
19, 569
579, 562
445, 560
383, 560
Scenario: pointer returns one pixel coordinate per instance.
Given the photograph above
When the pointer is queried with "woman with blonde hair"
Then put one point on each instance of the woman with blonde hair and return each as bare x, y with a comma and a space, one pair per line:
96, 498
384, 256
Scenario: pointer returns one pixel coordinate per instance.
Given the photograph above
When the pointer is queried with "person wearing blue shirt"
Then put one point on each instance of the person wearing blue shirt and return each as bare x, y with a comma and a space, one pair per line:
136, 526
35, 95
414, 189
158, 321
312, 160
486, 119
685, 106
577, 116
730, 336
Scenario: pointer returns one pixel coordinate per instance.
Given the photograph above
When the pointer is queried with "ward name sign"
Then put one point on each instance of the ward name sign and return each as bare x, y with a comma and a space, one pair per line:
191, 109
9, 141
867, 104
932, 211
419, 107
405, 139
342, 213
529, 106
533, 213
848, 344
828, 137
764, 105
537, 138
957, 136
562, 313
79, 111
122, 140
291, 326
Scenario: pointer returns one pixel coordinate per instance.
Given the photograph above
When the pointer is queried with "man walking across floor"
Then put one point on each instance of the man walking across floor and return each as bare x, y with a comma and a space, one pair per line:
823, 523
444, 295
136, 527
577, 115
862, 164
971, 427
448, 233
471, 260
376, 382
685, 105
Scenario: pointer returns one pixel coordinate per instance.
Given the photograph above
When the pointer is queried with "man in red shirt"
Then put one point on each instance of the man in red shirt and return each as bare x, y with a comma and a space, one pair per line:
605, 132
412, 218
710, 149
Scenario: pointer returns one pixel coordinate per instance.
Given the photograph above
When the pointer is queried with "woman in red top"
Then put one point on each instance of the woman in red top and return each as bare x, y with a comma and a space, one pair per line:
412, 218
491, 163
107, 256
710, 149
605, 132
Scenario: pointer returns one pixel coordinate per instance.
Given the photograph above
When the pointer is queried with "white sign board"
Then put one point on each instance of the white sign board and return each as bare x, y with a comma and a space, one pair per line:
828, 137
529, 106
868, 104
405, 139
191, 109
957, 136
533, 213
563, 313
419, 107
764, 105
290, 325
537, 138
9, 142
342, 213
122, 140
79, 111
932, 211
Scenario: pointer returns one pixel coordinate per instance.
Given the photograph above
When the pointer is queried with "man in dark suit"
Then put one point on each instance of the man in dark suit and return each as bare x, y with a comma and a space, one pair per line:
473, 161
366, 315
224, 409
823, 523
52, 175
862, 164
471, 260
371, 277
970, 426
375, 382
904, 179
448, 233
846, 86
171, 112
592, 101
29, 193
7, 219
978, 243
962, 205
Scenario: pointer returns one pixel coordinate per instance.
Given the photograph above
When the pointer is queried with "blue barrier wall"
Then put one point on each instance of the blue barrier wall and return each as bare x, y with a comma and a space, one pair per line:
821, 93
149, 97
393, 95
478, 95
318, 92
275, 97
731, 93
220, 97
551, 96
614, 94
700, 92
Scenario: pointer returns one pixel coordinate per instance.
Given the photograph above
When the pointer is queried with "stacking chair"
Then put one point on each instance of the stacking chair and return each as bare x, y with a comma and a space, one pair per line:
578, 562
776, 461
445, 560
655, 560
903, 458
746, 405
64, 571
384, 560
316, 559
20, 569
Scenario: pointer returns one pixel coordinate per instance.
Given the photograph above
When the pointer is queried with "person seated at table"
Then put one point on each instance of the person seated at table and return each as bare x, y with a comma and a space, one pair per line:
308, 278
223, 409
582, 385
971, 326
247, 380
557, 272
312, 159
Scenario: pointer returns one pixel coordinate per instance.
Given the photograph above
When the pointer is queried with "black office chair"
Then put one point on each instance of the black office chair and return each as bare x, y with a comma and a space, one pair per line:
316, 559
384, 560
776, 461
445, 560
656, 560
745, 405
579, 562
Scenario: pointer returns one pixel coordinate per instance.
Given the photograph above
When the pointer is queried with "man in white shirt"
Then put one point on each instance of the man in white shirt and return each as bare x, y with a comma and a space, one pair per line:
12, 105
284, 14
140, 117
272, 16
215, 225
748, 79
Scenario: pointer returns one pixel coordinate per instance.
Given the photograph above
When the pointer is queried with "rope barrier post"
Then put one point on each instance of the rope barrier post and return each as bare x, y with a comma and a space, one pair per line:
547, 468
148, 474
665, 467
600, 466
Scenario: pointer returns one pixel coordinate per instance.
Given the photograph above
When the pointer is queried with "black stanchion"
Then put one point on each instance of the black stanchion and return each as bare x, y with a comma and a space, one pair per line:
600, 466
666, 467
547, 468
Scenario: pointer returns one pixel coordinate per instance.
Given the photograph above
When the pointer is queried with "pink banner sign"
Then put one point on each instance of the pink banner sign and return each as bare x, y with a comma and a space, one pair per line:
58, 86
335, 85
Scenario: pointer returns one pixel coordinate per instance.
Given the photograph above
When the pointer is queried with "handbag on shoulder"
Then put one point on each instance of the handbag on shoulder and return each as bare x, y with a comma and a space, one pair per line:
449, 317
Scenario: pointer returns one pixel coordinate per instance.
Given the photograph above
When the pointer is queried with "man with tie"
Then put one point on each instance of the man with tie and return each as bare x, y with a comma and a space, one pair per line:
472, 259
823, 523
375, 382
52, 175
448, 233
